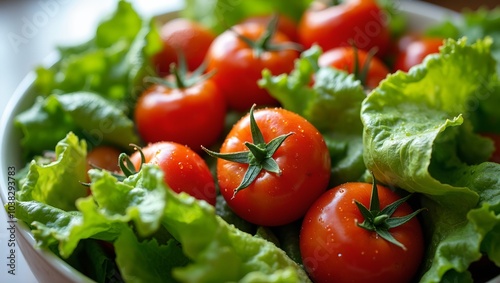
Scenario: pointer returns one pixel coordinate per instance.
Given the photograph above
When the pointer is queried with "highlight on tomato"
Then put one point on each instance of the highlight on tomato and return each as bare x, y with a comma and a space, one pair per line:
359, 22
361, 232
272, 166
186, 36
187, 108
184, 169
367, 68
238, 56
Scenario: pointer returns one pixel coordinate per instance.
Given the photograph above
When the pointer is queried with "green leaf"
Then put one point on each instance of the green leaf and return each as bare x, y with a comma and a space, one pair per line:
51, 225
87, 114
224, 253
139, 198
58, 182
112, 64
147, 260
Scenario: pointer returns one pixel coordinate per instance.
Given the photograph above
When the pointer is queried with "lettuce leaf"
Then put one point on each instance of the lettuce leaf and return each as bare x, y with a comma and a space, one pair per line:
223, 253
419, 135
112, 63
473, 25
332, 105
57, 183
87, 114
148, 260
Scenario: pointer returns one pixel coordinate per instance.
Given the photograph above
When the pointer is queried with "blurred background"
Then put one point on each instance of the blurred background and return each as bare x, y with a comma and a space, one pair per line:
30, 30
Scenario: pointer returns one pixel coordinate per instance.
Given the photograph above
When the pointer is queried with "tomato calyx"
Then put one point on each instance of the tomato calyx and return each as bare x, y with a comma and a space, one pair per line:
380, 221
125, 164
263, 43
182, 77
259, 155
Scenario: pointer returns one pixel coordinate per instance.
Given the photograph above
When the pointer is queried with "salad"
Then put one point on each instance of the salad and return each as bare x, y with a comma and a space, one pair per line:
236, 185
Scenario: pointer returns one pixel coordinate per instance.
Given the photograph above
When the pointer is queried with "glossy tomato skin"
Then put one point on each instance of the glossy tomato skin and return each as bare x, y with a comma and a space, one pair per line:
184, 35
413, 49
342, 58
184, 169
303, 158
361, 21
334, 249
238, 68
192, 116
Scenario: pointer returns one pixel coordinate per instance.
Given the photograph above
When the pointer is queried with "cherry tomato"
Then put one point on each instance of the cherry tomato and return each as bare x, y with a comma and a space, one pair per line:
285, 24
343, 58
275, 198
495, 157
239, 65
104, 157
413, 49
186, 36
184, 169
335, 249
358, 22
192, 115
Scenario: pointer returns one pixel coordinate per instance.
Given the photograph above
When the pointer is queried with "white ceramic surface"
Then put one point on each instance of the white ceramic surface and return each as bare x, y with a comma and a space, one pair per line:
46, 266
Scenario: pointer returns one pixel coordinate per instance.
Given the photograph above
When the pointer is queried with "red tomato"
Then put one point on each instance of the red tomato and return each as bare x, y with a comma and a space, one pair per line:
184, 169
361, 21
276, 199
193, 115
285, 24
413, 49
239, 66
188, 37
335, 249
495, 157
342, 58
104, 157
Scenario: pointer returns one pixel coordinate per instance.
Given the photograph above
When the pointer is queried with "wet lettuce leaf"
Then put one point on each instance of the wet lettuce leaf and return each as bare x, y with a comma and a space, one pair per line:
420, 135
87, 114
332, 104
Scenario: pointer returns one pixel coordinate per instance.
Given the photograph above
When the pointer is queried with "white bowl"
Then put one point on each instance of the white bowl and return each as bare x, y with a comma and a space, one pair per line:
44, 264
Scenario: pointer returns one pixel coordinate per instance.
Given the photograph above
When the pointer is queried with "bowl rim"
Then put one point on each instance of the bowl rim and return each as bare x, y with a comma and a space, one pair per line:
411, 8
